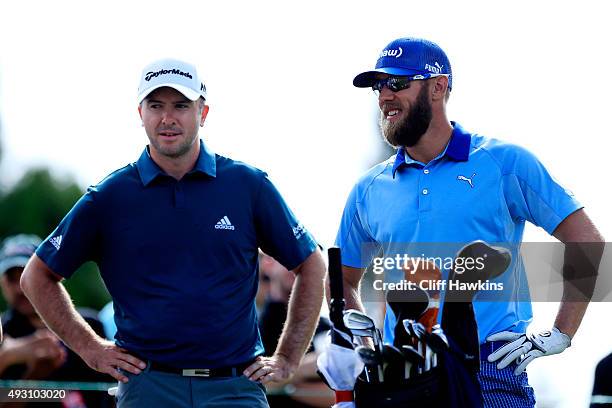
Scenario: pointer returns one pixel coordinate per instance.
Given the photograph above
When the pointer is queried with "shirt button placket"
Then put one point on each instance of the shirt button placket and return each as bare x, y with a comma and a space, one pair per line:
425, 191
179, 195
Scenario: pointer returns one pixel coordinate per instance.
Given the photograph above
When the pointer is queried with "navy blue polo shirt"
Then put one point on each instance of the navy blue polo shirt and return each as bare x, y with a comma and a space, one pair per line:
478, 188
180, 258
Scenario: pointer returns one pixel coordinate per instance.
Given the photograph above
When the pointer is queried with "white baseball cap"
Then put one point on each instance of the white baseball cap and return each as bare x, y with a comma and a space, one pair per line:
16, 250
173, 73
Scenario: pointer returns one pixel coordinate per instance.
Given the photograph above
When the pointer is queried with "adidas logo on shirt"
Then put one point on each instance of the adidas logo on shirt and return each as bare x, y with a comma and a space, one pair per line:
224, 223
56, 242
298, 231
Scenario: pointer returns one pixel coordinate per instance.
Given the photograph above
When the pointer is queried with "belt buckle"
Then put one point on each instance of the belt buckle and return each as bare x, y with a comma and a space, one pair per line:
196, 372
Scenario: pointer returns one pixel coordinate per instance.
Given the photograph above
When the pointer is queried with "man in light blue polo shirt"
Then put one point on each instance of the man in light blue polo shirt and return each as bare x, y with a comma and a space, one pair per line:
448, 185
176, 237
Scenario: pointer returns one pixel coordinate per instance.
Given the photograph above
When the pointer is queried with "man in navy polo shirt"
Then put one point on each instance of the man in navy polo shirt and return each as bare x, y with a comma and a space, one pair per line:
448, 185
176, 237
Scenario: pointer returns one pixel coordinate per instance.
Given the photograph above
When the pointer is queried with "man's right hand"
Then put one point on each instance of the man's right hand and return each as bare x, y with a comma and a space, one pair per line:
106, 357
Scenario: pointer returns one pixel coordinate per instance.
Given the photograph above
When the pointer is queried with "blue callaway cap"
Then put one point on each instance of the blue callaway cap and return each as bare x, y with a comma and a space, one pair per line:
415, 57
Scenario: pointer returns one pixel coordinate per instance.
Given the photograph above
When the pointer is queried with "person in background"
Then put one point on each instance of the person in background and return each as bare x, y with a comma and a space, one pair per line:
30, 351
602, 384
307, 388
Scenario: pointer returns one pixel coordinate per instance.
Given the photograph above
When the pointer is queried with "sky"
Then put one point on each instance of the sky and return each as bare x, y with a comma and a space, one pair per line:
279, 78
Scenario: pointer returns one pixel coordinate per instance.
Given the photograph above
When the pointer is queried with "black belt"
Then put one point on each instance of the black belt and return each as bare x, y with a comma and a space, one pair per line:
232, 371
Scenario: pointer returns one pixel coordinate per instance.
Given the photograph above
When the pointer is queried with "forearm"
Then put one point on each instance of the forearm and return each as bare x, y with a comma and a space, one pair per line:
584, 247
569, 317
351, 279
352, 297
52, 302
351, 293
303, 312
580, 272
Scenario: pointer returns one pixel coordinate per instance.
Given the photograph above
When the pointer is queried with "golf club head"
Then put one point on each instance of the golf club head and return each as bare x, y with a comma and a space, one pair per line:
414, 329
373, 361
368, 356
412, 355
438, 343
362, 333
406, 304
393, 363
361, 325
492, 262
391, 353
495, 259
437, 331
354, 319
409, 304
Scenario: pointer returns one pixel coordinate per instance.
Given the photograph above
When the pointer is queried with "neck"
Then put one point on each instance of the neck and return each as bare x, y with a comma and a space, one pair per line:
177, 167
432, 143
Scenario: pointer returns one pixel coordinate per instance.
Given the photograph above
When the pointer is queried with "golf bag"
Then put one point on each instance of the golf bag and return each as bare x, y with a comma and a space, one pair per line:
428, 365
452, 383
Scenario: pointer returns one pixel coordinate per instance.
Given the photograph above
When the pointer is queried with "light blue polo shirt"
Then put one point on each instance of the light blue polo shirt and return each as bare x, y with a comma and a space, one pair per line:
180, 257
477, 189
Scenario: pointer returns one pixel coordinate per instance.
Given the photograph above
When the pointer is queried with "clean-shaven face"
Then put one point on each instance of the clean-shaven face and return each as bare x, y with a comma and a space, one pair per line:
171, 122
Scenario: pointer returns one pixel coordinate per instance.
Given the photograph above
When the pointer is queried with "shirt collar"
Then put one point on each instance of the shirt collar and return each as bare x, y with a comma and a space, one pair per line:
148, 170
458, 149
459, 145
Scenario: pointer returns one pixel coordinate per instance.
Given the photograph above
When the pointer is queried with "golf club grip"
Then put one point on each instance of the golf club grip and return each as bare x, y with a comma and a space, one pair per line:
336, 305
335, 273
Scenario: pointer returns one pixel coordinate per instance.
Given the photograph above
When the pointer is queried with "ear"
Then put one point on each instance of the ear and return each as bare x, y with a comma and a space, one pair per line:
140, 111
204, 114
438, 90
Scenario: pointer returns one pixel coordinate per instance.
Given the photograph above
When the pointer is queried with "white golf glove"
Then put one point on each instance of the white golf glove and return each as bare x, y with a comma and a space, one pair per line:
524, 348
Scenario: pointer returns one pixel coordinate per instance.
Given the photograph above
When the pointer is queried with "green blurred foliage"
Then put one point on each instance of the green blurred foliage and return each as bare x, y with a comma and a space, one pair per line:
35, 205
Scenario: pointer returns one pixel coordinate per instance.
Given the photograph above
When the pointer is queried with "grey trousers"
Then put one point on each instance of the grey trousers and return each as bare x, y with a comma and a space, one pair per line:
151, 389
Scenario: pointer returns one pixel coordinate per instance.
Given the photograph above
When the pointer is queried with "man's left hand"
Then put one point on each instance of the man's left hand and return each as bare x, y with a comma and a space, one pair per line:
524, 348
270, 369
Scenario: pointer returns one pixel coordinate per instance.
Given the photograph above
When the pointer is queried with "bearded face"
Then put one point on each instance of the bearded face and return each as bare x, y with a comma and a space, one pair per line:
407, 131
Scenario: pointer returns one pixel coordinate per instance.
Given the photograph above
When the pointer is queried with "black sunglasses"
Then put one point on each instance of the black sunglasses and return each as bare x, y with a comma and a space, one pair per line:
394, 83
